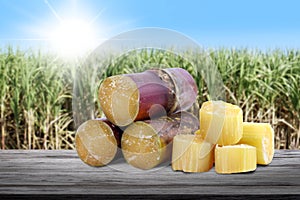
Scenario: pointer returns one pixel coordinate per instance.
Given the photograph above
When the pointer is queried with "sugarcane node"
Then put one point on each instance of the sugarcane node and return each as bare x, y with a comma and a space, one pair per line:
170, 84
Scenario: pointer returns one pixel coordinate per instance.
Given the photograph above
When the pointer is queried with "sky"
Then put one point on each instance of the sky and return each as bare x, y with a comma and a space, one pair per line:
254, 24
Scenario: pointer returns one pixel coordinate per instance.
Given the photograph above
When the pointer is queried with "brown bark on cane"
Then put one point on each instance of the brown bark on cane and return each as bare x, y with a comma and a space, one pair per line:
132, 97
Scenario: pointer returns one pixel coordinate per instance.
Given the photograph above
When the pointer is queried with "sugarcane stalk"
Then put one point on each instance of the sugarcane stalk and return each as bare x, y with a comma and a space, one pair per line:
132, 97
97, 141
146, 144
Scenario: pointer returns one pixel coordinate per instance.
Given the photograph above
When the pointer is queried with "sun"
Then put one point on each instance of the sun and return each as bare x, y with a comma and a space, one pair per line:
73, 38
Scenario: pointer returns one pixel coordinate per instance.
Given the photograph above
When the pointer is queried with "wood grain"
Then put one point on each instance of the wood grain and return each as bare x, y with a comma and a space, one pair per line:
38, 172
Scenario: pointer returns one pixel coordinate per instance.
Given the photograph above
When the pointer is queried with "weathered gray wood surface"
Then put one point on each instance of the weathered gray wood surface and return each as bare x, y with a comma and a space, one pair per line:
62, 172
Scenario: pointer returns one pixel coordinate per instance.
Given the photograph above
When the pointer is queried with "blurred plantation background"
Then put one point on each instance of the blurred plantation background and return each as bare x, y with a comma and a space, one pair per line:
37, 89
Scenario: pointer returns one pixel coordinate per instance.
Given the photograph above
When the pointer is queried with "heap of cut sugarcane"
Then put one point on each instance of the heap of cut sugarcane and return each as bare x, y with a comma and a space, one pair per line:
144, 111
146, 116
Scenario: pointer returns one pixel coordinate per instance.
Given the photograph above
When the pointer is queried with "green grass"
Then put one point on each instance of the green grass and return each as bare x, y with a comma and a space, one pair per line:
36, 92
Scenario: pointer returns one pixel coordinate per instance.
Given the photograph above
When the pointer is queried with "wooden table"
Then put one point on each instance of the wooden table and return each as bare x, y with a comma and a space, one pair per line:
55, 174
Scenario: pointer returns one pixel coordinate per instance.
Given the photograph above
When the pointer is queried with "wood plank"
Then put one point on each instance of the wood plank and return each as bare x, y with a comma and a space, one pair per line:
62, 172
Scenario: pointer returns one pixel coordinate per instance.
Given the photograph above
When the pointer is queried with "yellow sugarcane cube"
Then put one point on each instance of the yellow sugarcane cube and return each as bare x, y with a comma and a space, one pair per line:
192, 154
260, 135
221, 123
235, 159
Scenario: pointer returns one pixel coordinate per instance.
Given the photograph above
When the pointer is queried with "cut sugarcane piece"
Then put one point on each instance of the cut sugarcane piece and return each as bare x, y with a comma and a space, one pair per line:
192, 154
235, 159
119, 99
97, 142
146, 144
153, 93
261, 136
221, 123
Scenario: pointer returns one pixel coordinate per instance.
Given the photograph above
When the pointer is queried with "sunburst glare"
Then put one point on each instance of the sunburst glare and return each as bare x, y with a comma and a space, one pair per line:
73, 37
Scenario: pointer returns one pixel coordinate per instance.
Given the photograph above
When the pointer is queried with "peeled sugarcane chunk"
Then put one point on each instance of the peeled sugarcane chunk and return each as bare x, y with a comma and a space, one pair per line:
96, 143
221, 123
146, 144
235, 159
192, 154
261, 136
